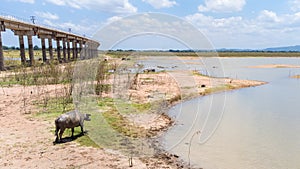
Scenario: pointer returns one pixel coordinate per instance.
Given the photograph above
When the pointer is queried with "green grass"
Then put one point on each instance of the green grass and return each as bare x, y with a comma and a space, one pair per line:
39, 75
16, 54
132, 108
114, 111
218, 89
107, 129
55, 108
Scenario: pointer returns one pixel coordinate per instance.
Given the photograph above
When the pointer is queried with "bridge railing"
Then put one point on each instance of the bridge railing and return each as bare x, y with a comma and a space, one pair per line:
28, 21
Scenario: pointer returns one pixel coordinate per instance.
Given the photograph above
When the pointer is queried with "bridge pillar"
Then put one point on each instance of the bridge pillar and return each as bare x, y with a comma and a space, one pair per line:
44, 50
68, 49
58, 49
90, 50
22, 49
80, 49
50, 48
1, 55
77, 49
64, 49
29, 34
30, 48
93, 50
74, 49
96, 50
85, 50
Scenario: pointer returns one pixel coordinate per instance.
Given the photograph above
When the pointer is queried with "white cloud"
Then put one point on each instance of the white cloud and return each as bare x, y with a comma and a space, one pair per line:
203, 21
113, 19
47, 15
115, 6
161, 3
268, 16
151, 24
57, 2
222, 5
84, 27
265, 30
295, 5
25, 1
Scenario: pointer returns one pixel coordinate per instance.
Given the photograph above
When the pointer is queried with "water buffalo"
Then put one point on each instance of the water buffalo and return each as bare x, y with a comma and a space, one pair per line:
70, 120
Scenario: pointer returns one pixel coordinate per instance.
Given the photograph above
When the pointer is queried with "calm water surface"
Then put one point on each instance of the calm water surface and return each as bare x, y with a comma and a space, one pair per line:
258, 127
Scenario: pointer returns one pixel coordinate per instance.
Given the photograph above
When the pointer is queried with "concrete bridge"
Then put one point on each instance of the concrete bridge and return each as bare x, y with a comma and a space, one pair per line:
70, 43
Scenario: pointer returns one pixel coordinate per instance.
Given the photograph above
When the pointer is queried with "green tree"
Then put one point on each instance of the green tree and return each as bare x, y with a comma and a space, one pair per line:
36, 47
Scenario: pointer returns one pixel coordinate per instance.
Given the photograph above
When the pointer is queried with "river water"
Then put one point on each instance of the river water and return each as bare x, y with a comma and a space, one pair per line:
249, 128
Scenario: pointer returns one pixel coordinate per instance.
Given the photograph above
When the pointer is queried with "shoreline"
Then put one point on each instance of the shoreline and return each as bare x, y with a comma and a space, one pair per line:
234, 85
274, 66
173, 88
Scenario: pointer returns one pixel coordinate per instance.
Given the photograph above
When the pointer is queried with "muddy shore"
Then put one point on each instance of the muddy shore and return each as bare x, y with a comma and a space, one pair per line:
26, 142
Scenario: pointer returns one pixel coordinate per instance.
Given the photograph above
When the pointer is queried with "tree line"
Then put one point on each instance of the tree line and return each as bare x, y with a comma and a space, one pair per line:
35, 47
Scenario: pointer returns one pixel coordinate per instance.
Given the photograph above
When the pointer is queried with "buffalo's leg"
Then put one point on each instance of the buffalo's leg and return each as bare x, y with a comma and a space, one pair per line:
81, 127
72, 132
56, 133
61, 132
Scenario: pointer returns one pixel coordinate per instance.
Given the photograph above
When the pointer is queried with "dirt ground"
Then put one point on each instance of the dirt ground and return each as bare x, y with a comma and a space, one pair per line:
27, 142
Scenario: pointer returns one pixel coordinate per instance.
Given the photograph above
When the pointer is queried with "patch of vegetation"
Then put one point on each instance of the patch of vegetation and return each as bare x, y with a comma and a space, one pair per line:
197, 73
122, 125
39, 75
114, 116
132, 108
218, 89
105, 102
54, 108
142, 106
175, 99
101, 88
296, 76
84, 140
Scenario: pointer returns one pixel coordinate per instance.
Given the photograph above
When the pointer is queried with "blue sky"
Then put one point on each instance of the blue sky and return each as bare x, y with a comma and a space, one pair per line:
253, 24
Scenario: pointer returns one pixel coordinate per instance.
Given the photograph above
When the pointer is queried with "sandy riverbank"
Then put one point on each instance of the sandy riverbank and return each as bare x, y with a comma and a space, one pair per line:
275, 66
26, 142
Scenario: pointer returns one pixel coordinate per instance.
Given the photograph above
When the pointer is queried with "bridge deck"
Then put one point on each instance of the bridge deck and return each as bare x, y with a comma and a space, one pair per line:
62, 38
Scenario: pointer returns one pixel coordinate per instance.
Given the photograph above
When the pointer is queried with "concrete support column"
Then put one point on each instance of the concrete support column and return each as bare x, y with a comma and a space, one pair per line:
44, 50
22, 49
64, 49
85, 50
30, 48
93, 51
58, 49
74, 49
80, 50
50, 48
1, 55
90, 50
69, 49
96, 51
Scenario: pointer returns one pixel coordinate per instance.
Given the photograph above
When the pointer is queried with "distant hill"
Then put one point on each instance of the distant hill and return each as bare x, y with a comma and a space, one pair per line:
284, 49
295, 48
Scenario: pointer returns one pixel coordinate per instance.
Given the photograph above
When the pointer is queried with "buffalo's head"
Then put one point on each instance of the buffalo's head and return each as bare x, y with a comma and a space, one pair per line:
87, 117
